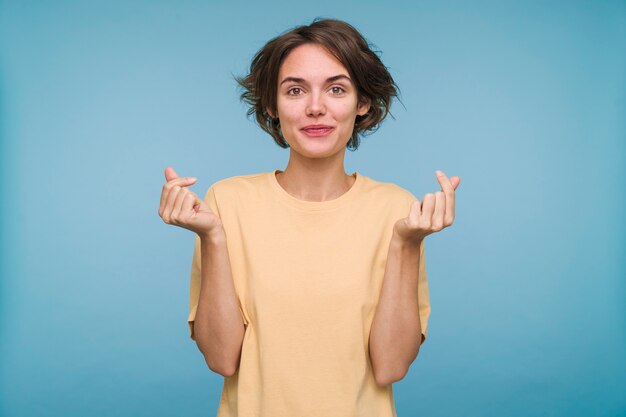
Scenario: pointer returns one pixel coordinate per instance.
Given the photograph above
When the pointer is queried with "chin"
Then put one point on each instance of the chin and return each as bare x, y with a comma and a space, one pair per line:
321, 147
318, 149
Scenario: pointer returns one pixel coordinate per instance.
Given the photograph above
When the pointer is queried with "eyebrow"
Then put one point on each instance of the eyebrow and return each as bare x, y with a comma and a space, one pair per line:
328, 80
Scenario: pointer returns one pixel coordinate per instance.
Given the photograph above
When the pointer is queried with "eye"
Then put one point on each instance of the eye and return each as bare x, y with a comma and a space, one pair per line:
297, 89
335, 88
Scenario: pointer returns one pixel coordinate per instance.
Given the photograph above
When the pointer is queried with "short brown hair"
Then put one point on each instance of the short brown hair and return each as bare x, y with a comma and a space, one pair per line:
373, 81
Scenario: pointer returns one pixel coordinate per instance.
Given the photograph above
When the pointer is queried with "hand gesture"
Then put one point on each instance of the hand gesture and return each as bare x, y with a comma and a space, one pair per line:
181, 207
434, 213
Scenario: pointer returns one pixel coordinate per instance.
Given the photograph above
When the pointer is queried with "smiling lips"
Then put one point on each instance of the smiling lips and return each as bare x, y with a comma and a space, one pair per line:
317, 130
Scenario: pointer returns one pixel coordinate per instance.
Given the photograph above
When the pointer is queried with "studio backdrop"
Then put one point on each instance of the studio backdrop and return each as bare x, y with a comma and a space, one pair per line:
525, 101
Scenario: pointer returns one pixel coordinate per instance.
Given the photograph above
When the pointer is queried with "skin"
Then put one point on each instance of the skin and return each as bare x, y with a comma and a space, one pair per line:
315, 171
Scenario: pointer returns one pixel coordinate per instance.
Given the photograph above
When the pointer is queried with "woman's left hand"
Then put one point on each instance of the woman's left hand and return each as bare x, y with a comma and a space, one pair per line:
434, 213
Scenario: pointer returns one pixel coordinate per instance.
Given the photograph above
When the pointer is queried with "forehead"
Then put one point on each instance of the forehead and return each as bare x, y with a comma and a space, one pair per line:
310, 61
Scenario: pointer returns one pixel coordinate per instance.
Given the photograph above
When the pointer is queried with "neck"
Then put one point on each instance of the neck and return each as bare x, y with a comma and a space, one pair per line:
315, 179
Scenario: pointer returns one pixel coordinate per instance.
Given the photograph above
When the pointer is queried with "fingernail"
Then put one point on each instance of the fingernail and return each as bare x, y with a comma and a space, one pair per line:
438, 173
191, 179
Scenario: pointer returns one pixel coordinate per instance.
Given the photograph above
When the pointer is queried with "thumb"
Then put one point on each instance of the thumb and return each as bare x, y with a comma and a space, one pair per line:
170, 174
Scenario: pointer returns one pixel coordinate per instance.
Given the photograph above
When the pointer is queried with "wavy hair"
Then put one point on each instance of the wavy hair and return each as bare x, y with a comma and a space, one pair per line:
372, 79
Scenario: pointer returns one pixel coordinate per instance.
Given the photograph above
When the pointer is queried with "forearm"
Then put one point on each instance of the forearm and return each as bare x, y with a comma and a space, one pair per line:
395, 336
218, 326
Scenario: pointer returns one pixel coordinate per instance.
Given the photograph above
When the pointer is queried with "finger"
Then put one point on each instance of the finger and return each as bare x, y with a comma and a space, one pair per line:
428, 206
415, 212
181, 182
186, 208
170, 174
440, 211
169, 204
444, 182
455, 181
448, 189
178, 203
449, 219
189, 200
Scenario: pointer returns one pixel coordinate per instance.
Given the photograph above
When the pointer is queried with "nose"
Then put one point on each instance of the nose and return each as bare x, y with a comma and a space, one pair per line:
315, 106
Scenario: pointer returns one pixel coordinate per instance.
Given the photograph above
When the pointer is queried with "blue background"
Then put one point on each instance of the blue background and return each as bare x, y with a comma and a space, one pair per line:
523, 100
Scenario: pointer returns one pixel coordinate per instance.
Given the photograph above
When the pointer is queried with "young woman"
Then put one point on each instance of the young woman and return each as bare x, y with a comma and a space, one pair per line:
308, 285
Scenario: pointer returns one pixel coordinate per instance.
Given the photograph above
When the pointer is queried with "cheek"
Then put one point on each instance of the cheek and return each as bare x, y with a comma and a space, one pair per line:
345, 114
288, 112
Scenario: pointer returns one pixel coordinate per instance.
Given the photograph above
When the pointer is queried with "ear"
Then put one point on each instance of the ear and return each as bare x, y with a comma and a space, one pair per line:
364, 106
271, 113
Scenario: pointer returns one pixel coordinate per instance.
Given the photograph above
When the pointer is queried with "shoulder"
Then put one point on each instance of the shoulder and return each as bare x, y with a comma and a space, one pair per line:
239, 185
387, 190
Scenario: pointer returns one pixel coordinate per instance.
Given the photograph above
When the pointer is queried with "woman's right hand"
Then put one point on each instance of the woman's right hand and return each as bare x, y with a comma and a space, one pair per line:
182, 207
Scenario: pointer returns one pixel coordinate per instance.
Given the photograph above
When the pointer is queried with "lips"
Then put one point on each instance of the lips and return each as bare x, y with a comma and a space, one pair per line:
317, 130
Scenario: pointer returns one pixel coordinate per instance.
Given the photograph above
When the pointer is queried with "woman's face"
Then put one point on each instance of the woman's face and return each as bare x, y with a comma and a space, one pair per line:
314, 88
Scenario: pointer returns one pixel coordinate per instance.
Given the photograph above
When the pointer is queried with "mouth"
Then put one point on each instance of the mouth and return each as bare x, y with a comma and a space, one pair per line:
317, 131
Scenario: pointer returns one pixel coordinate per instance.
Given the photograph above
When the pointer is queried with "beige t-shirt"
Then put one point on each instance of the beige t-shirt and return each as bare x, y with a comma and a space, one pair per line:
308, 277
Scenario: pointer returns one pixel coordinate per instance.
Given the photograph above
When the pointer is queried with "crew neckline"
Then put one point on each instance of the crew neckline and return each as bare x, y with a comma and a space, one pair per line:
314, 205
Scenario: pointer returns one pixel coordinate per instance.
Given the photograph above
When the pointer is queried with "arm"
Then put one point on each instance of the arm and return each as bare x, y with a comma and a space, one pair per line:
395, 337
218, 327
396, 332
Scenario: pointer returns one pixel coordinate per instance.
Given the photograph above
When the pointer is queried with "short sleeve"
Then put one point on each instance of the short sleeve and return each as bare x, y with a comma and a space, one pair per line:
196, 276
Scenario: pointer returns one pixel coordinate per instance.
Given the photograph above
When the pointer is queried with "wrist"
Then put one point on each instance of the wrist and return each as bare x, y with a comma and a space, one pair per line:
216, 235
412, 242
